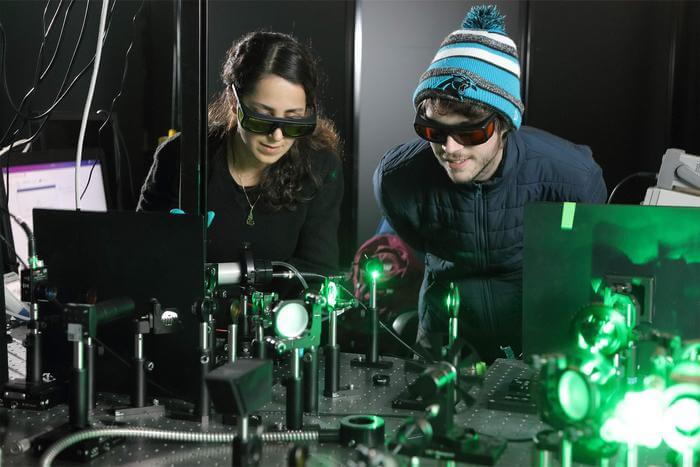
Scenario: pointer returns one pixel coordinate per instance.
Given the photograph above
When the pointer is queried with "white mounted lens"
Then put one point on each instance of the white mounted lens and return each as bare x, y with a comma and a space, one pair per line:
291, 319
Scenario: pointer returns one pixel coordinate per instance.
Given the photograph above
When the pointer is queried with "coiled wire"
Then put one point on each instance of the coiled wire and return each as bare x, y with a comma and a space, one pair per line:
294, 436
167, 435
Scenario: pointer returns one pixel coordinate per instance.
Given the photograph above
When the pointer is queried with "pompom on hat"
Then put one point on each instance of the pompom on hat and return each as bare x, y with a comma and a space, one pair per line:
476, 63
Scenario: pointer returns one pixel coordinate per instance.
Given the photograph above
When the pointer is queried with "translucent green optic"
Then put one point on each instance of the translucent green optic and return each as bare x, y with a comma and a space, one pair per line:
574, 396
331, 293
681, 422
374, 268
291, 319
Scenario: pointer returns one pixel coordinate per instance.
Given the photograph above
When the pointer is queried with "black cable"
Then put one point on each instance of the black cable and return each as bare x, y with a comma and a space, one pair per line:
87, 184
43, 17
127, 158
294, 270
47, 31
126, 67
39, 61
61, 92
12, 250
27, 231
75, 79
3, 140
111, 107
629, 177
58, 41
37, 79
313, 275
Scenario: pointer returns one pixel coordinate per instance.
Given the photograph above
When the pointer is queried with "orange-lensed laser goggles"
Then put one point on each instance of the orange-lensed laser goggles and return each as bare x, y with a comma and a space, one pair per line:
465, 134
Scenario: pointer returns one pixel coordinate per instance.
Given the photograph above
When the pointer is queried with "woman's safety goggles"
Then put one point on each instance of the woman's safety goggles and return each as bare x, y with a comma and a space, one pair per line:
466, 135
265, 124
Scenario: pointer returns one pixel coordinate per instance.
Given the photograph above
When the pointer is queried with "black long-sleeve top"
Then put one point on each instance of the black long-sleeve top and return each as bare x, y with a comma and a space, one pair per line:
307, 236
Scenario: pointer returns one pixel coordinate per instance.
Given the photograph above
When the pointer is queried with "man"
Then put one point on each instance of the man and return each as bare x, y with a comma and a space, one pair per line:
458, 193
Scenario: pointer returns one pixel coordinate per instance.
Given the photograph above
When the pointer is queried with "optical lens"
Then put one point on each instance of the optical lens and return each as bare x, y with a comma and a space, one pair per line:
255, 125
292, 130
291, 319
434, 135
574, 396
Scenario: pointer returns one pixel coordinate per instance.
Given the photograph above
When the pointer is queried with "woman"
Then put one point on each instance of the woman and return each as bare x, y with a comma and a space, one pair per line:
275, 177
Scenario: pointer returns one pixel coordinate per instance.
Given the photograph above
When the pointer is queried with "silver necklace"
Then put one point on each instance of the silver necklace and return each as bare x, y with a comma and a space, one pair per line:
250, 220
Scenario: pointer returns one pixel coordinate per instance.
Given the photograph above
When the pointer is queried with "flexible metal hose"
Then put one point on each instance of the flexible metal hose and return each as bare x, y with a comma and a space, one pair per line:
294, 436
166, 435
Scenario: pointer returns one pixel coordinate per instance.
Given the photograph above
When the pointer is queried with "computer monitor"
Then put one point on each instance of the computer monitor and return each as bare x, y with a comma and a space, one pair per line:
45, 179
569, 247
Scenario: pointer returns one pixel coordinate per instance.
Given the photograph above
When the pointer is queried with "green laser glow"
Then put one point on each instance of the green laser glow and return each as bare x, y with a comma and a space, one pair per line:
601, 329
681, 421
331, 293
636, 419
291, 319
374, 268
574, 396
686, 414
567, 216
452, 300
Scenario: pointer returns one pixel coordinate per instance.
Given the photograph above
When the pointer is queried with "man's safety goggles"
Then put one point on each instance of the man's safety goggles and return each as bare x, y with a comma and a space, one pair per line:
465, 134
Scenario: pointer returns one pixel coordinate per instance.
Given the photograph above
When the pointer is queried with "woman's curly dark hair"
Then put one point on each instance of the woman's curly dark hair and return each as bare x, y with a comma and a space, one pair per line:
249, 58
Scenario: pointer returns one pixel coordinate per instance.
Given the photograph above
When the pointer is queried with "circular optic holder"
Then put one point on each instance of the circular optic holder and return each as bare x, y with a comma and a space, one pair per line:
577, 390
601, 329
291, 318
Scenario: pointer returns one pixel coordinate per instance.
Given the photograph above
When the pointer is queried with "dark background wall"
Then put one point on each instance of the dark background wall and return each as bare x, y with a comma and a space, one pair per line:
618, 76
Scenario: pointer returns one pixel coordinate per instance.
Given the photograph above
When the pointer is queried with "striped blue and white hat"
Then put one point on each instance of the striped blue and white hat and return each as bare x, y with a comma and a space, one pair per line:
477, 63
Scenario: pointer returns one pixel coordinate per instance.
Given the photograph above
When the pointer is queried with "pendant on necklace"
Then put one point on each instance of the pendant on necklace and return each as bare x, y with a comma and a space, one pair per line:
250, 221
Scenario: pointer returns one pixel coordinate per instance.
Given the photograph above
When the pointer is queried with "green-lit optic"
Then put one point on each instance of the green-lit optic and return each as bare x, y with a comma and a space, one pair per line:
681, 421
691, 353
574, 396
577, 390
452, 300
636, 419
601, 329
331, 293
374, 269
291, 319
686, 414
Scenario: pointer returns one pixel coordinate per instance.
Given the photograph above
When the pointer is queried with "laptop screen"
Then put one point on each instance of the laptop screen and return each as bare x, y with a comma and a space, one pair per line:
51, 185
